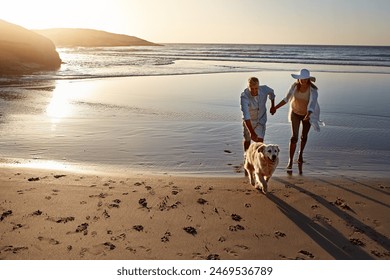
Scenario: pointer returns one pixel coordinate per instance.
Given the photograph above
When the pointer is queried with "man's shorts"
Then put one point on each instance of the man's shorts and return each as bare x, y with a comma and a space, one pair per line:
259, 129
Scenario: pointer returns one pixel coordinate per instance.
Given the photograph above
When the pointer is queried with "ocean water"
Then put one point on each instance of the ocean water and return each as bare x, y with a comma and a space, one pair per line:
173, 59
175, 108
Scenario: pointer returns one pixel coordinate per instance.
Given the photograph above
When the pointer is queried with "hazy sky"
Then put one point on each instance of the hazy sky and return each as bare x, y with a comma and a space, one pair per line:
352, 22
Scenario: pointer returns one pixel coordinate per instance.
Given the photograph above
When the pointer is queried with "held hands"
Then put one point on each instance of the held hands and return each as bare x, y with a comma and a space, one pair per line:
307, 117
272, 110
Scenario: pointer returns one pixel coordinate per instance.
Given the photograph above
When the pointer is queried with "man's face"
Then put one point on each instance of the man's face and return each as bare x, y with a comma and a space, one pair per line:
254, 88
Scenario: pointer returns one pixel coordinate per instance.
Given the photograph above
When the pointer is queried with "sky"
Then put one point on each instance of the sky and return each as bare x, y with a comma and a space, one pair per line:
329, 22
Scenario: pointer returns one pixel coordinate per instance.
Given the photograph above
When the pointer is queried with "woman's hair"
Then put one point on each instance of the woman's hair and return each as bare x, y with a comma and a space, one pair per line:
310, 83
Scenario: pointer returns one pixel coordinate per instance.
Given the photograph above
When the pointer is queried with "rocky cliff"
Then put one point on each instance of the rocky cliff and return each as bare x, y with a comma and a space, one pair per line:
23, 51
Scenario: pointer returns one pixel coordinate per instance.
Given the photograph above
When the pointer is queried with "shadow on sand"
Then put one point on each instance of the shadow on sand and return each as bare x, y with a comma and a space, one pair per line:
325, 235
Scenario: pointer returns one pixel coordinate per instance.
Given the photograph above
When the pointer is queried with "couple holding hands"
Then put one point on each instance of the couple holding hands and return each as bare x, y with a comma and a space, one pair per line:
304, 109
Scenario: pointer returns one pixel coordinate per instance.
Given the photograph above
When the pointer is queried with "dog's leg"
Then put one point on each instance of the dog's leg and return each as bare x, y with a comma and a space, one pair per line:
259, 180
249, 169
264, 184
246, 173
251, 179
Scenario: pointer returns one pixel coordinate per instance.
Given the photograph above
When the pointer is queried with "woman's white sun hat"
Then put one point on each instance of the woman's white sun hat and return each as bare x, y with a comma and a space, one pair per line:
303, 74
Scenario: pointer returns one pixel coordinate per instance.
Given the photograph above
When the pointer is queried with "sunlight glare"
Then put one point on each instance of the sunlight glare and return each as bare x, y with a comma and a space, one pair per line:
65, 95
60, 105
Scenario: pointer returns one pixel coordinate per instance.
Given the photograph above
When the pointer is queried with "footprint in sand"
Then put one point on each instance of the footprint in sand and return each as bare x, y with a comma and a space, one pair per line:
165, 206
134, 250
5, 214
306, 253
279, 234
49, 240
105, 214
109, 246
341, 203
119, 237
222, 239
12, 249
201, 201
100, 195
231, 252
138, 228
82, 228
25, 190
242, 247
37, 213
236, 228
380, 255
166, 237
322, 219
62, 220
18, 226
33, 179
236, 217
190, 230
113, 205
143, 202
357, 242
176, 190
213, 257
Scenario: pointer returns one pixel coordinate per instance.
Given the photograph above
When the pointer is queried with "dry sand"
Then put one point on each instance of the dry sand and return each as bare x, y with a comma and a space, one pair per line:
58, 215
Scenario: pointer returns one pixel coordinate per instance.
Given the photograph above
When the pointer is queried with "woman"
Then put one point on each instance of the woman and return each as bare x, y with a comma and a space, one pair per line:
304, 109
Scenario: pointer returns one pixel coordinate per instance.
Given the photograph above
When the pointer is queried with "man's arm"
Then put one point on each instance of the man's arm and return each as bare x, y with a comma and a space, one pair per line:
254, 136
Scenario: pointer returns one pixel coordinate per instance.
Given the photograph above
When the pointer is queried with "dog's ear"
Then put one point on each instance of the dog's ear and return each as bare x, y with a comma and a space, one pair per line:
260, 149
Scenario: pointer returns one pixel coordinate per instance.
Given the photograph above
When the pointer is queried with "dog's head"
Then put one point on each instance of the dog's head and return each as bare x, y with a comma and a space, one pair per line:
270, 151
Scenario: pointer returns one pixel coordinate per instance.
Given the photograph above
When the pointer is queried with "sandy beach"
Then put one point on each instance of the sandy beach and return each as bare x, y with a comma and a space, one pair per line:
150, 167
48, 215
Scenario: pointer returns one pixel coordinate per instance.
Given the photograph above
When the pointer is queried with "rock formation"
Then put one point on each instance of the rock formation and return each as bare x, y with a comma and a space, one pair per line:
23, 51
75, 37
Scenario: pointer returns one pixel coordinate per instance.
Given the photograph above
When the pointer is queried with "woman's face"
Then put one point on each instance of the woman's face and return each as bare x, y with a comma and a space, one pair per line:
303, 81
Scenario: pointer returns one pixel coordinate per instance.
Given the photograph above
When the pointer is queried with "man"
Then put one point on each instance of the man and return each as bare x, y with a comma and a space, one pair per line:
254, 111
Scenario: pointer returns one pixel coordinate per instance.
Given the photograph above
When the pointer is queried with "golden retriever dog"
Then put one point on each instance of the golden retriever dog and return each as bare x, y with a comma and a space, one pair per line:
260, 163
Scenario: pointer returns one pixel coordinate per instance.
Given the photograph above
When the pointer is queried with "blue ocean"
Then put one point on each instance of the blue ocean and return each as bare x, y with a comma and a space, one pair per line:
175, 108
